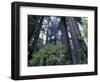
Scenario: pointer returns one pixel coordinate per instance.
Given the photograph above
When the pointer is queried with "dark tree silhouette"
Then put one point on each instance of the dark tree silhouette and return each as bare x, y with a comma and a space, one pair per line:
34, 34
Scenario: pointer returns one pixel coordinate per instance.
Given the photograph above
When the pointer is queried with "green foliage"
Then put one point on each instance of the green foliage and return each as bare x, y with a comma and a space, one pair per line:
46, 50
84, 31
35, 59
83, 61
53, 61
79, 50
51, 49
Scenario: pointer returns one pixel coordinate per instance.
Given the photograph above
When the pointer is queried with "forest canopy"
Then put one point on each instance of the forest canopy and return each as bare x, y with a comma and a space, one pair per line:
56, 40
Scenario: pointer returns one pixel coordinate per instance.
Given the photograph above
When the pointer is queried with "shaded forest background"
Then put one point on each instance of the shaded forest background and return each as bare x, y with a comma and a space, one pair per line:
55, 40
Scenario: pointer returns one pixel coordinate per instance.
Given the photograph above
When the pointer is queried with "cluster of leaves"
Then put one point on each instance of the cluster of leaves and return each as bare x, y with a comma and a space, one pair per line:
46, 50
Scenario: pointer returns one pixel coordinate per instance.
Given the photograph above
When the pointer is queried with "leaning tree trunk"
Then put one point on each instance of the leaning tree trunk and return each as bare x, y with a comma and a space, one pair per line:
74, 32
35, 36
64, 38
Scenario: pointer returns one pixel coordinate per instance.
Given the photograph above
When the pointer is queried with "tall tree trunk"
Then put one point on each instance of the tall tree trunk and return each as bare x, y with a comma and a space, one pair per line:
73, 29
64, 37
35, 36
